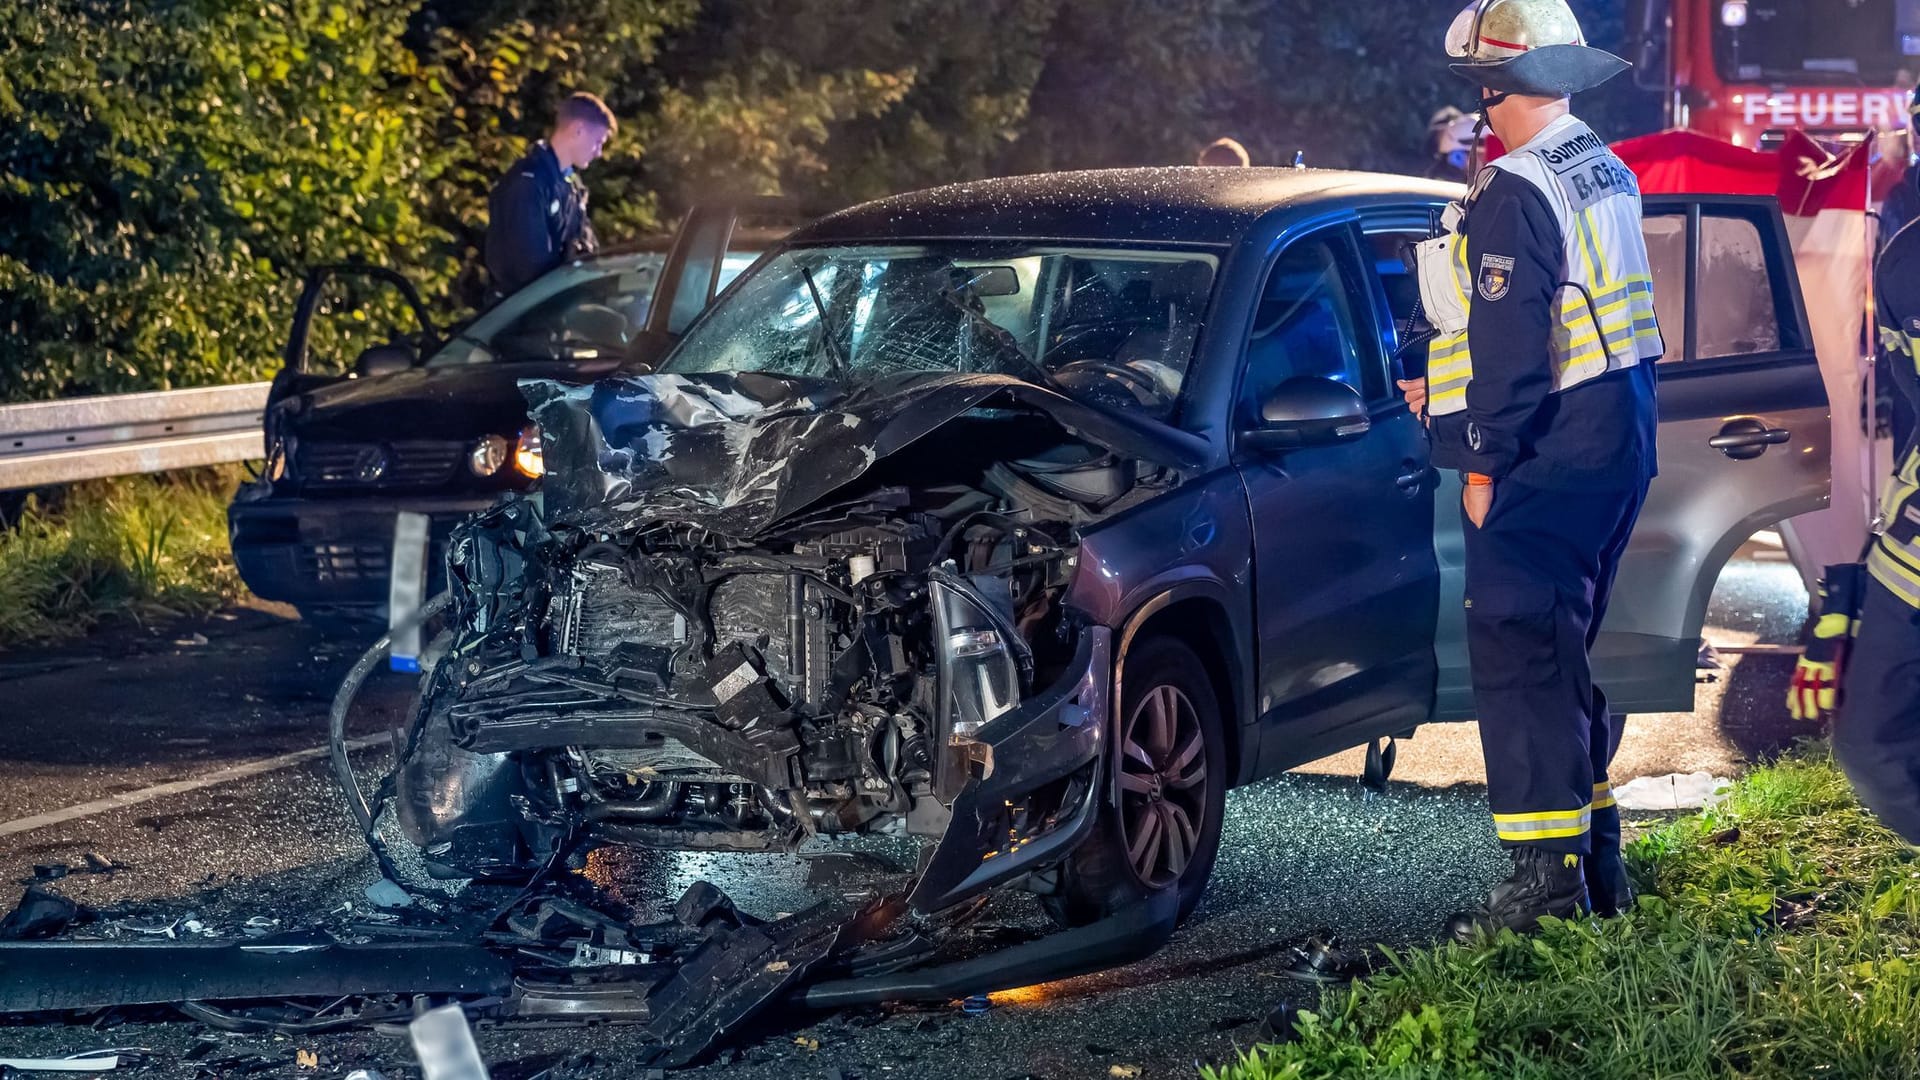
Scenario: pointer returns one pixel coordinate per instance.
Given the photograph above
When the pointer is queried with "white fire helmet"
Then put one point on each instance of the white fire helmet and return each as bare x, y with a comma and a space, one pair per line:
1530, 47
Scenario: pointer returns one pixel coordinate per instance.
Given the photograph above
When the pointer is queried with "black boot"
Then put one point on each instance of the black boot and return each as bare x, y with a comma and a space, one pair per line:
1542, 883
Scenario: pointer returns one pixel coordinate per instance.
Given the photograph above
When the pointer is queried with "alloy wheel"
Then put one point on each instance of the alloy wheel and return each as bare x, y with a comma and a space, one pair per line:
1163, 786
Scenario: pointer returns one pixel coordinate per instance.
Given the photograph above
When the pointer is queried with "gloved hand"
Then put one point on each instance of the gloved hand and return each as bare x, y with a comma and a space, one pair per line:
1814, 693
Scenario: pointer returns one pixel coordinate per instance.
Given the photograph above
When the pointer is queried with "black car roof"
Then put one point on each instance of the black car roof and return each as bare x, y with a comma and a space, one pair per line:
1187, 204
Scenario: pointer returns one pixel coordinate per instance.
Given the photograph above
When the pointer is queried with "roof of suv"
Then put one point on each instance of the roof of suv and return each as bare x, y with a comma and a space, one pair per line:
1188, 204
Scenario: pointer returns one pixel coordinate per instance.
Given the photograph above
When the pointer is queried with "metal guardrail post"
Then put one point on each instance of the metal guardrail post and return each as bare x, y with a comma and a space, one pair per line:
56, 442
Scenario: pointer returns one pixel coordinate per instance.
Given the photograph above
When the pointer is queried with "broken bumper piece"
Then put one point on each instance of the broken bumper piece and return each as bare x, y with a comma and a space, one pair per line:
1032, 795
44, 976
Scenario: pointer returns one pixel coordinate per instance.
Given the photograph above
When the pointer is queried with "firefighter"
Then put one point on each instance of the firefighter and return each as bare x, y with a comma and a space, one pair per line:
1867, 638
1540, 391
1451, 139
537, 213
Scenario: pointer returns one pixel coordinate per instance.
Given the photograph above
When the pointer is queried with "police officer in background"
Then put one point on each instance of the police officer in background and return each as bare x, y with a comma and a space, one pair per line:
537, 213
1871, 623
1542, 395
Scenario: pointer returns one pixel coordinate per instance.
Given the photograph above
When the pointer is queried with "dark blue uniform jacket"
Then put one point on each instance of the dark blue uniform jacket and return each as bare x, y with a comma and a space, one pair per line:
536, 220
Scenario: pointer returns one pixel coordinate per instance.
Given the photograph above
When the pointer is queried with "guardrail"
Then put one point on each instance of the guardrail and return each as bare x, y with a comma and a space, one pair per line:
56, 442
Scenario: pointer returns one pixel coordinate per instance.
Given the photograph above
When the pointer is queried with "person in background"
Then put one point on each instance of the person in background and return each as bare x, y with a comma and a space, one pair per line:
1864, 656
537, 213
1226, 152
1450, 146
1900, 209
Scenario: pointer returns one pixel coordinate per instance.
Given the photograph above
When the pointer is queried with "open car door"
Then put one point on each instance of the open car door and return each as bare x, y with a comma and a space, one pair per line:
1744, 443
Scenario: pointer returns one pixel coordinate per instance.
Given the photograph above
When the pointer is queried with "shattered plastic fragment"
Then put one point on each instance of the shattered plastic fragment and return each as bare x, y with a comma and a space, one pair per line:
384, 893
443, 1042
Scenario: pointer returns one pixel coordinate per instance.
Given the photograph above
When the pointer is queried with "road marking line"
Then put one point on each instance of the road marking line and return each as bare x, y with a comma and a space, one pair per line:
176, 787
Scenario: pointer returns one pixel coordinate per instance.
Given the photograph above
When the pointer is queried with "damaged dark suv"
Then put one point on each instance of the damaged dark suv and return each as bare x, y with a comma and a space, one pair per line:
1025, 517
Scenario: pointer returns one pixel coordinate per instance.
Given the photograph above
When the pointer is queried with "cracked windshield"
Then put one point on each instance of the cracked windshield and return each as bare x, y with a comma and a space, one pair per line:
1110, 327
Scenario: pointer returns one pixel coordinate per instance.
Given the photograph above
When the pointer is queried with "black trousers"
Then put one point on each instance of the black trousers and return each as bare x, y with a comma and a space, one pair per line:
1540, 571
1876, 737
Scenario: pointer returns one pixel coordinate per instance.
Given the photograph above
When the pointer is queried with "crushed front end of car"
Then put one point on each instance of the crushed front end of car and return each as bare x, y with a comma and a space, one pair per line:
748, 611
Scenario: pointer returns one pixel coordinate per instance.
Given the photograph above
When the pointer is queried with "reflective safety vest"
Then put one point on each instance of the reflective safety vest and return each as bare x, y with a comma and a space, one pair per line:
1603, 307
1894, 560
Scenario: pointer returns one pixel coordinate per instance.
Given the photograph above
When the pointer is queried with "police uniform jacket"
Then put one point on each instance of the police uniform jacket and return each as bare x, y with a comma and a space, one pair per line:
1551, 382
536, 219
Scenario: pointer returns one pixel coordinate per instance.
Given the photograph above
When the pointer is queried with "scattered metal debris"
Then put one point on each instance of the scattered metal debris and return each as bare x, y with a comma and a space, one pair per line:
40, 914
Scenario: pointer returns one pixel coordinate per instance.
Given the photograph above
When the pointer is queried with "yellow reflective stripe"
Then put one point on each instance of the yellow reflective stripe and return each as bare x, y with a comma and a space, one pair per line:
1460, 273
1583, 224
1899, 580
1602, 795
1544, 825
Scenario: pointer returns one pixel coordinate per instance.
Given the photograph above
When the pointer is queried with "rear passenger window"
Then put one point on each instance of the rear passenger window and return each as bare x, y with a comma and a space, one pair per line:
1313, 319
1736, 310
1667, 253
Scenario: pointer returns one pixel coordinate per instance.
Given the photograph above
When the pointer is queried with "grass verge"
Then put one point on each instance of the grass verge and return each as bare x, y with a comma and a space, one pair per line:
131, 547
1780, 938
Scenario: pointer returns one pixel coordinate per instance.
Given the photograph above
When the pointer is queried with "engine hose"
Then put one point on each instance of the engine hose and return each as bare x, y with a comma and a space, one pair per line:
343, 701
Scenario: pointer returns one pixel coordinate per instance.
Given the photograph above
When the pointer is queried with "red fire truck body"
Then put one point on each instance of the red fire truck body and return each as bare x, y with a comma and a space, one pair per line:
1749, 71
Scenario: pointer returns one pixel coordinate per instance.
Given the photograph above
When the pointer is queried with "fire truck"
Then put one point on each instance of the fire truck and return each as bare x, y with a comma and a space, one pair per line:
1749, 71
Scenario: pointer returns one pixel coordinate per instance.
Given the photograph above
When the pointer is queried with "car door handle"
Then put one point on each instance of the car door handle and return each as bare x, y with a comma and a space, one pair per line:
1411, 482
1745, 439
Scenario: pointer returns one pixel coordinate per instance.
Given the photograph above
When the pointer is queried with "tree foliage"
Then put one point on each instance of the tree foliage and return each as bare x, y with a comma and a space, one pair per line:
168, 168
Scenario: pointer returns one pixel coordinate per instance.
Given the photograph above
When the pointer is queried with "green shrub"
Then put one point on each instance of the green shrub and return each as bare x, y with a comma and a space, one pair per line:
136, 547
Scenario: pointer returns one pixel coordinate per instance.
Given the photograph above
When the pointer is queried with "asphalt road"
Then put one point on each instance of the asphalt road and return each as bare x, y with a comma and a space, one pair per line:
89, 732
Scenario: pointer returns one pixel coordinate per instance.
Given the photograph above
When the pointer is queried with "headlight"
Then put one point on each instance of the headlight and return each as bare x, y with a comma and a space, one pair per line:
978, 678
489, 453
526, 456
1733, 13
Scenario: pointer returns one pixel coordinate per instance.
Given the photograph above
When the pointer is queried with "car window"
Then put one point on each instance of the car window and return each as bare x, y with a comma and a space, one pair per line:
1666, 236
580, 311
1385, 250
1115, 327
1737, 314
1309, 322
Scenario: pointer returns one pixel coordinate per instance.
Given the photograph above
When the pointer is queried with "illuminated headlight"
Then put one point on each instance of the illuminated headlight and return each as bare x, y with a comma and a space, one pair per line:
1733, 13
526, 455
489, 453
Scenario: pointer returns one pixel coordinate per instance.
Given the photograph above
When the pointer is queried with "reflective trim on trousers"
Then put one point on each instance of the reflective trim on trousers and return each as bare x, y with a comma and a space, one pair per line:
1546, 825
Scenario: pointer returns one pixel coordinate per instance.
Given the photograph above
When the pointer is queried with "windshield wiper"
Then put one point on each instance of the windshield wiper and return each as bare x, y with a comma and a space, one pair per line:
837, 362
999, 335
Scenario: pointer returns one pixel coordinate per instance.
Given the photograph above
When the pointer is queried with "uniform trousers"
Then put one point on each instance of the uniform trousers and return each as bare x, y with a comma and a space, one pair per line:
1876, 737
1539, 573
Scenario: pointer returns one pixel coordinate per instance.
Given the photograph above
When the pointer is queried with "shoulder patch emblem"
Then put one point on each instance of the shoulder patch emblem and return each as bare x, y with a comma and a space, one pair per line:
1496, 276
1913, 325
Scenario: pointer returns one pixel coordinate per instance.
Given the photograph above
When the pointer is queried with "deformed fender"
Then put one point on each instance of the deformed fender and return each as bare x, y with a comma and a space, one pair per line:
1049, 738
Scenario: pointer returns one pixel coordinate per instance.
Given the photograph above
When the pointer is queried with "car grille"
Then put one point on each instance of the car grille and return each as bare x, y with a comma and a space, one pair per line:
342, 562
400, 464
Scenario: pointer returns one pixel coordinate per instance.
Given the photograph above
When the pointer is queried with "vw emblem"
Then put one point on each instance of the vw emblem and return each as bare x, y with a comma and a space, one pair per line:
370, 464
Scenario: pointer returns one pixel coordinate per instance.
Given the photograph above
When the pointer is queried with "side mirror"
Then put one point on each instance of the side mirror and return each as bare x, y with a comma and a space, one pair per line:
1308, 410
388, 359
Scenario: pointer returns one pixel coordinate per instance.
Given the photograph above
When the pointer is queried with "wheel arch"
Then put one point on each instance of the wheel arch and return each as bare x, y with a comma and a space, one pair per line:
1196, 616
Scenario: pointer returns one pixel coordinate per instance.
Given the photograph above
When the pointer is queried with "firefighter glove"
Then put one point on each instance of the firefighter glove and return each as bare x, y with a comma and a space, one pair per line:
1814, 693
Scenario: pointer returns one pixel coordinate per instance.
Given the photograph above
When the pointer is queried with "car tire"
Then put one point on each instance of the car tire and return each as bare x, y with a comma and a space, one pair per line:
1165, 783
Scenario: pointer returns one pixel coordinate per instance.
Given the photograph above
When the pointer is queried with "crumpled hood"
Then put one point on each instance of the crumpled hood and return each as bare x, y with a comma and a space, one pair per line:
738, 453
